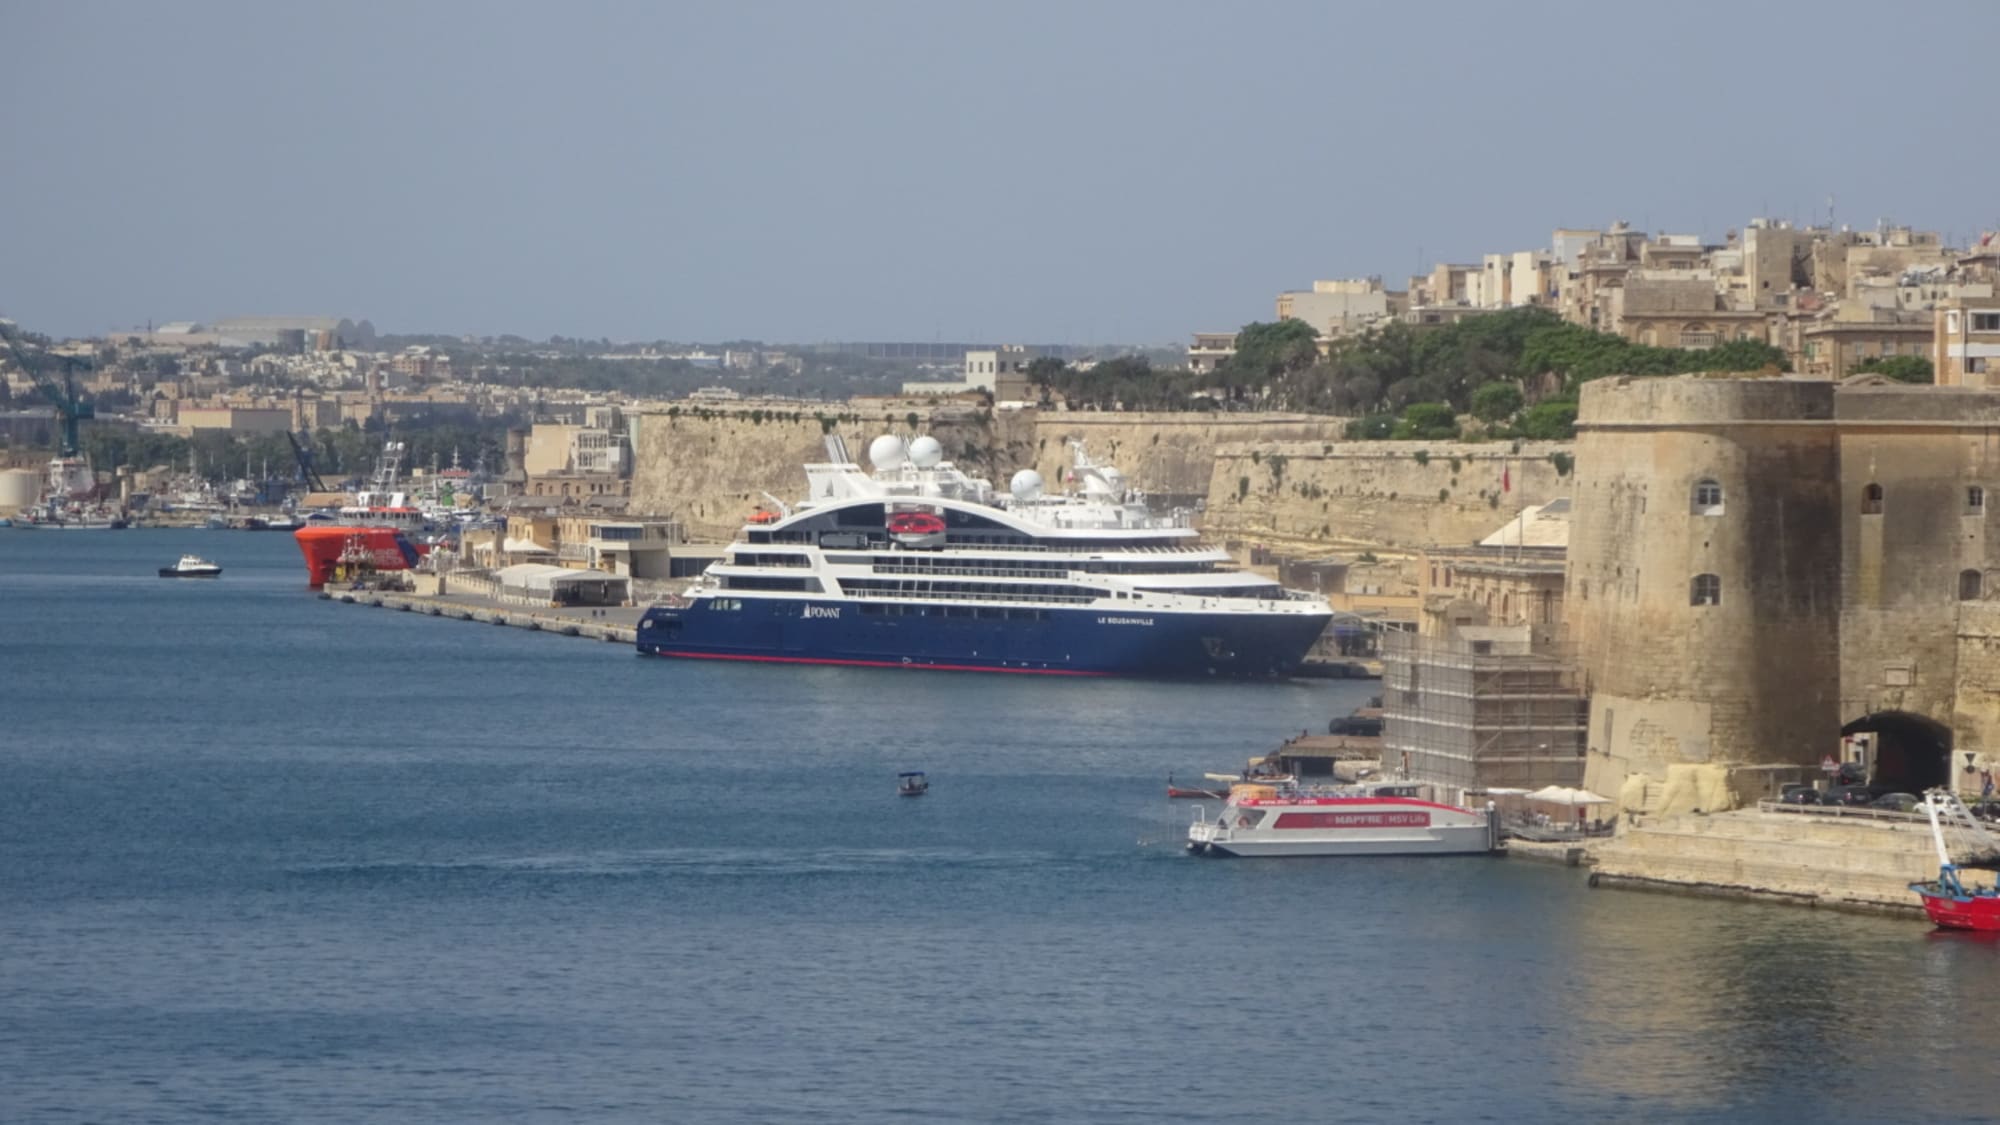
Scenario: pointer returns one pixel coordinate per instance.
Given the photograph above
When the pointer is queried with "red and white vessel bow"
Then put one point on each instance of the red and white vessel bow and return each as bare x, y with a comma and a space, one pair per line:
1385, 818
1951, 904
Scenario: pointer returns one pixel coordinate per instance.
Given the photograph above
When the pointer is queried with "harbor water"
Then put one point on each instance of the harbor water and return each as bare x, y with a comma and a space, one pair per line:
265, 857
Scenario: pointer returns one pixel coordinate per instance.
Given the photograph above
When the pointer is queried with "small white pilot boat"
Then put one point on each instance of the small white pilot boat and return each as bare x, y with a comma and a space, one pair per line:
191, 566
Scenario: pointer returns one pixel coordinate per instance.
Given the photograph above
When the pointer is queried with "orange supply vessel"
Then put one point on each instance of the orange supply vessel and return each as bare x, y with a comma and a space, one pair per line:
325, 547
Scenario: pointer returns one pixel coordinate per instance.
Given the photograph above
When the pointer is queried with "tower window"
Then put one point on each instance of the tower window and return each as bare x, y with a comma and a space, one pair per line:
1975, 499
1707, 498
1969, 584
1706, 589
1871, 500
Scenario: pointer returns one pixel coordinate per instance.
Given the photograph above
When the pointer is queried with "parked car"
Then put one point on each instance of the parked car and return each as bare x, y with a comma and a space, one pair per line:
1798, 794
1896, 802
1851, 795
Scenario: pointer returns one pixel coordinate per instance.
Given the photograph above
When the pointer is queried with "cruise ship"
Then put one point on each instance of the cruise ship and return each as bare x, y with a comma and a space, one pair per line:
917, 565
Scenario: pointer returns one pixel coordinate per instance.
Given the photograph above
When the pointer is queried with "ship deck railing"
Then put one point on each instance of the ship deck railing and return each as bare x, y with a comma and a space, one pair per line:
955, 596
806, 539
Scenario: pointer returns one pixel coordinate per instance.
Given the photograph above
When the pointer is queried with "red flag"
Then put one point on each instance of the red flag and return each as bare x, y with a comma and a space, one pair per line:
1506, 478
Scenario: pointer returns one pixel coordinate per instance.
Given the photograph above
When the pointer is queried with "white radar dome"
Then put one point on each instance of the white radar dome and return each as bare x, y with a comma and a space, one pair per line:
926, 452
1026, 485
887, 452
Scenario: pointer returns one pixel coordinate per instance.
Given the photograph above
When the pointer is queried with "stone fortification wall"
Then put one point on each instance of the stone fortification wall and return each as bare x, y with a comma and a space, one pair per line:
1975, 716
712, 468
1306, 487
1912, 639
1166, 454
1754, 678
1812, 861
1379, 494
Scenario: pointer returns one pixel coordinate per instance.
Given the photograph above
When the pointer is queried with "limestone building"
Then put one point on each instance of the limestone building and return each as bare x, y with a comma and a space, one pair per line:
1341, 307
1764, 571
1967, 343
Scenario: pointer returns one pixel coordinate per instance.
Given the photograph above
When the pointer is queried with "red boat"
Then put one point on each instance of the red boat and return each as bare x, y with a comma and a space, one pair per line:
329, 546
1950, 903
1953, 906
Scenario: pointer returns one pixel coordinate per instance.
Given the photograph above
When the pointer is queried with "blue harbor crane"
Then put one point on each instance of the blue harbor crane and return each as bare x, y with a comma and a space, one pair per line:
303, 451
70, 406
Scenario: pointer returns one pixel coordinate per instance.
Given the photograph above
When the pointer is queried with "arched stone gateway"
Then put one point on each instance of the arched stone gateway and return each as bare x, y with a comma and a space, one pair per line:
1911, 753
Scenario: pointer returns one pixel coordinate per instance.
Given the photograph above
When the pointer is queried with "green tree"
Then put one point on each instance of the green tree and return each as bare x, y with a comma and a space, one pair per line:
1496, 402
1427, 420
1374, 427
1554, 420
1902, 368
1046, 370
1276, 347
1266, 352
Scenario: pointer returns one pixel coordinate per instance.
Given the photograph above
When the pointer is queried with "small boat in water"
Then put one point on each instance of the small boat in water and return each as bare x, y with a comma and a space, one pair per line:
1951, 904
191, 566
1187, 793
912, 783
1381, 818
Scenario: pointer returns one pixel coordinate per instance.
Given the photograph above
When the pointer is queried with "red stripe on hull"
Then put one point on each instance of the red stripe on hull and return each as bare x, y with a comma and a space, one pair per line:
877, 664
1309, 802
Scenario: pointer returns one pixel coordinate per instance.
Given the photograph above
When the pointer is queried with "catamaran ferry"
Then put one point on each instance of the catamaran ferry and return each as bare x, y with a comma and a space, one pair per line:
917, 565
1380, 818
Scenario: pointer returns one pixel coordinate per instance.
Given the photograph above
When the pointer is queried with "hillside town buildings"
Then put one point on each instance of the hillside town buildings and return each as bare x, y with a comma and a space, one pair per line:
1832, 299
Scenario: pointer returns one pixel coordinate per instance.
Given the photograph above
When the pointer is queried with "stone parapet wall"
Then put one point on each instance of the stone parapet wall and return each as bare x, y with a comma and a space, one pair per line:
1166, 454
1651, 401
711, 469
1403, 495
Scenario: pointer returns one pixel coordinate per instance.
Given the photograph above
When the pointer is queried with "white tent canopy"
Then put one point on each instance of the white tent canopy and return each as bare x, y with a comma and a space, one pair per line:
561, 584
1563, 795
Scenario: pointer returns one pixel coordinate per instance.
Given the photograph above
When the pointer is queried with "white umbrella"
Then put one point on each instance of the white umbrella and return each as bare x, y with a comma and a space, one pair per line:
1562, 795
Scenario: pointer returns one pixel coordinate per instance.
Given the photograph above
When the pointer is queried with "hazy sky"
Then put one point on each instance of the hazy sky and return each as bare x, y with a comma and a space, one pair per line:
1036, 172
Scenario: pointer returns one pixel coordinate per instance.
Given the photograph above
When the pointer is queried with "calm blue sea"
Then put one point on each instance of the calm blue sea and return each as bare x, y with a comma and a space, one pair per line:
267, 858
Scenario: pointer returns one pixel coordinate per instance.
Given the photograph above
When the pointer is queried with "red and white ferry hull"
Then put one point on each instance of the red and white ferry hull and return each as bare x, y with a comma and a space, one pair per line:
1360, 825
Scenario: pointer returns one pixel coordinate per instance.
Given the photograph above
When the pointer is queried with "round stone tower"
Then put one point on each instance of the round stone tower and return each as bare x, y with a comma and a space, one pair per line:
1704, 573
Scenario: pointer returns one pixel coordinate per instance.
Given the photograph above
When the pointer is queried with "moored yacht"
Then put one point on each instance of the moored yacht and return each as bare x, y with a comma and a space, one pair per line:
1382, 818
917, 565
191, 566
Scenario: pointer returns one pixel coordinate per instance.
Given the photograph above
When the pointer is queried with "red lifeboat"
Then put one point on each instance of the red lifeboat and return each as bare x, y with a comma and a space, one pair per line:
763, 515
915, 523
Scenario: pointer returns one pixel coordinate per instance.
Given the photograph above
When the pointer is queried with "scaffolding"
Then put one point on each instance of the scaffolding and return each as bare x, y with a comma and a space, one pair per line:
1486, 708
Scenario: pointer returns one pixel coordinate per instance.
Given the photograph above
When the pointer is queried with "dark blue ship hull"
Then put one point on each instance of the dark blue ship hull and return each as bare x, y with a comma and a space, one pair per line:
1073, 642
